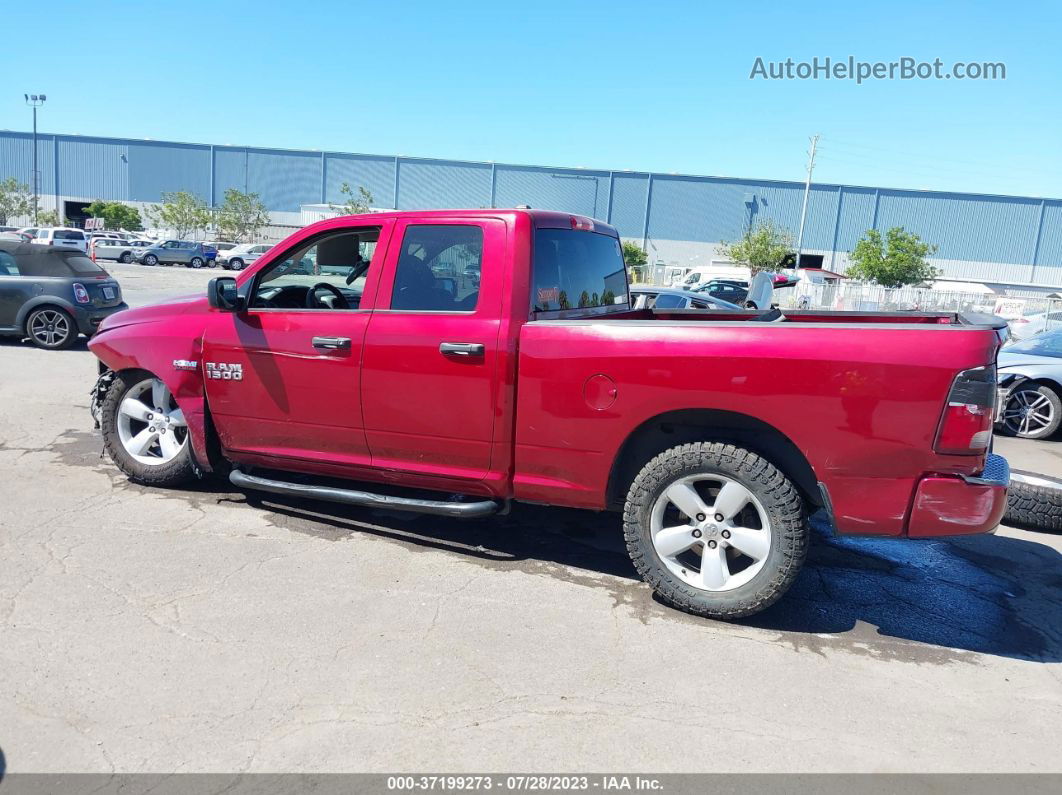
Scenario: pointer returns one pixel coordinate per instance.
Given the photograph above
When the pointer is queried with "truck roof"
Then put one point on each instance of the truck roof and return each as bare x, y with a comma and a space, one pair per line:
550, 219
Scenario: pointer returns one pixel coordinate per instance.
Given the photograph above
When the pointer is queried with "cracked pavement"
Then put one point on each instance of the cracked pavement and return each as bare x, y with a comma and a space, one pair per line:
210, 631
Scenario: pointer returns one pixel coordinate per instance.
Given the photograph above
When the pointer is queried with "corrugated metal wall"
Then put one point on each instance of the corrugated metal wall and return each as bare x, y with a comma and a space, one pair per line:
16, 159
157, 168
978, 237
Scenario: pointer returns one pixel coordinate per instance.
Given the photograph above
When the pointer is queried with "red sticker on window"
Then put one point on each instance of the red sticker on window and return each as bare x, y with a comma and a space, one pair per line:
548, 295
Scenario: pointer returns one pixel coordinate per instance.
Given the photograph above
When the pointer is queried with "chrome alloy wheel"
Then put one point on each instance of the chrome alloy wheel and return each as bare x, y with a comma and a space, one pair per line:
150, 425
50, 327
1027, 412
711, 532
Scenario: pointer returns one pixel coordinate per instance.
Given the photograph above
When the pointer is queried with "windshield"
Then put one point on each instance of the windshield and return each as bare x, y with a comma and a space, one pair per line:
577, 269
1047, 344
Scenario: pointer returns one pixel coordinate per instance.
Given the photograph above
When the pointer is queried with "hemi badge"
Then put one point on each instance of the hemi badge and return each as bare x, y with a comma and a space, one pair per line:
185, 364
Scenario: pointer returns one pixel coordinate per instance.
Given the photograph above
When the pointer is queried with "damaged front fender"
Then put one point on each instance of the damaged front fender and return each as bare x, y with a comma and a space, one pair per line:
175, 360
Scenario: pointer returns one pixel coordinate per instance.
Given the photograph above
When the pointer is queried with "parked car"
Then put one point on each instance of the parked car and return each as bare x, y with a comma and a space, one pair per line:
1027, 326
239, 257
1030, 384
28, 232
110, 248
645, 297
61, 237
702, 274
221, 245
732, 290
173, 252
52, 294
211, 255
716, 434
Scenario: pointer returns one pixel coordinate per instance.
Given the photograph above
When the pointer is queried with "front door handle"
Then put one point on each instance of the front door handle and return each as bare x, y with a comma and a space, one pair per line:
462, 349
332, 343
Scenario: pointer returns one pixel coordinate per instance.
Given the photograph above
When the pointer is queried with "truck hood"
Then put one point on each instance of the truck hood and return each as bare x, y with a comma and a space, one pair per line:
148, 314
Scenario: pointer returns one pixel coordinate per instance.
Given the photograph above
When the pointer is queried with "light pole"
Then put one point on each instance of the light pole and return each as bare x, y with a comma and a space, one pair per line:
35, 101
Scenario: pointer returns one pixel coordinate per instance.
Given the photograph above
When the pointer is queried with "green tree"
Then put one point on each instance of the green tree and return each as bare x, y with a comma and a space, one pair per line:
180, 211
763, 248
116, 215
353, 204
47, 217
242, 216
15, 200
633, 255
898, 260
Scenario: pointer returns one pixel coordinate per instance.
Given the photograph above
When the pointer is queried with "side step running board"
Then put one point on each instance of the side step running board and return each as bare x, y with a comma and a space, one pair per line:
465, 510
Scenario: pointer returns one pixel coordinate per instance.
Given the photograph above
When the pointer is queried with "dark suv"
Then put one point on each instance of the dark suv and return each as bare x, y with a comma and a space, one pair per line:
50, 295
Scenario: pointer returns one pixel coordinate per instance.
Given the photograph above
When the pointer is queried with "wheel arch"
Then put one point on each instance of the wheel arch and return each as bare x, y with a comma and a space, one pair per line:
42, 302
1046, 380
672, 428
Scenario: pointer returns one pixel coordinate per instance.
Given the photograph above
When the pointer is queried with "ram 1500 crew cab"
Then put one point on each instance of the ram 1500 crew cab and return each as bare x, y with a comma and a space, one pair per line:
494, 355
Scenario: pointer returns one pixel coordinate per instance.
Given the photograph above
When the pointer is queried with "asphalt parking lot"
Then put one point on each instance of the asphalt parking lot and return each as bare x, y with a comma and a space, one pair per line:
208, 630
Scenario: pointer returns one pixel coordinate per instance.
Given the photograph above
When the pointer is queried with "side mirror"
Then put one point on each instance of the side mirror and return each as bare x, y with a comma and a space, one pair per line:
222, 295
761, 291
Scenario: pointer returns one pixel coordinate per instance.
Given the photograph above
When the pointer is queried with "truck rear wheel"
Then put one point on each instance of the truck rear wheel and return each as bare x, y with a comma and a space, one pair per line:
715, 529
144, 431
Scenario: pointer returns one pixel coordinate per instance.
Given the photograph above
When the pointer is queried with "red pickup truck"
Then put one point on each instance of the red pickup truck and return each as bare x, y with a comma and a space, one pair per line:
463, 359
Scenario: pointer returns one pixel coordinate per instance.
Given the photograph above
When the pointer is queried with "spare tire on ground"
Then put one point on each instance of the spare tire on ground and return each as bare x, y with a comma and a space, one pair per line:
1034, 501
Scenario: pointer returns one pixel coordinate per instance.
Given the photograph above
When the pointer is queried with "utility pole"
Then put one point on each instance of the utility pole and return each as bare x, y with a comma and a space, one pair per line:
35, 101
807, 191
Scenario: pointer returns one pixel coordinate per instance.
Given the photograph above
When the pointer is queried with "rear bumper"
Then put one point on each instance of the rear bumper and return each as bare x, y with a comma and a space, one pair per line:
968, 505
89, 318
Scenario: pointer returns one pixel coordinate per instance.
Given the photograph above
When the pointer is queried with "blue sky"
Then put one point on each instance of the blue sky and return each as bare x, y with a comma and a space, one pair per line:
660, 86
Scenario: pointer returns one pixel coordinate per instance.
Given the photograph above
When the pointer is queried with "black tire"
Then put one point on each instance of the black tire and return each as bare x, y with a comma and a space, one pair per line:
173, 473
1034, 501
1029, 392
211, 263
51, 328
196, 262
236, 264
126, 258
150, 260
779, 498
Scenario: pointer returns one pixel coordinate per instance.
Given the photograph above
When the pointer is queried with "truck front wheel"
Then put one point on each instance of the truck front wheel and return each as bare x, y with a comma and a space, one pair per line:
715, 529
145, 432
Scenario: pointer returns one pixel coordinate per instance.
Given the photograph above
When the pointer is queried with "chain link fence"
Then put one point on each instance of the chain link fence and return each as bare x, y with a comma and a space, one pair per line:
1037, 313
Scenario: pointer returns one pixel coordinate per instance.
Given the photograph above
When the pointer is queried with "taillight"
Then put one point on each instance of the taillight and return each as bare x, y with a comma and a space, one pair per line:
966, 426
81, 294
582, 224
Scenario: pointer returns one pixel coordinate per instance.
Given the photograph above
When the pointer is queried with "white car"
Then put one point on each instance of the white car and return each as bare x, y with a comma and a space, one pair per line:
1030, 325
241, 256
61, 237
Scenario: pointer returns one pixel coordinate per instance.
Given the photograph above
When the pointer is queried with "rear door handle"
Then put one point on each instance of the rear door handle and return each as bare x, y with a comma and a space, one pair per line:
462, 349
332, 343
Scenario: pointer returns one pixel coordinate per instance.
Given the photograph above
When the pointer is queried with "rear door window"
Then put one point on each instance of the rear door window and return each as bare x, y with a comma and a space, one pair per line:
577, 269
69, 234
439, 268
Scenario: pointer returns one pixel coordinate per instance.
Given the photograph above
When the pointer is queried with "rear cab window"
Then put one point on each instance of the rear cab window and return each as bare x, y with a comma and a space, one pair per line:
577, 270
51, 263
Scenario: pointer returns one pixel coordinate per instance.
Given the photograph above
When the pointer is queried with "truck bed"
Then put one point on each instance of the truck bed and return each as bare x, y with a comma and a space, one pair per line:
862, 408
